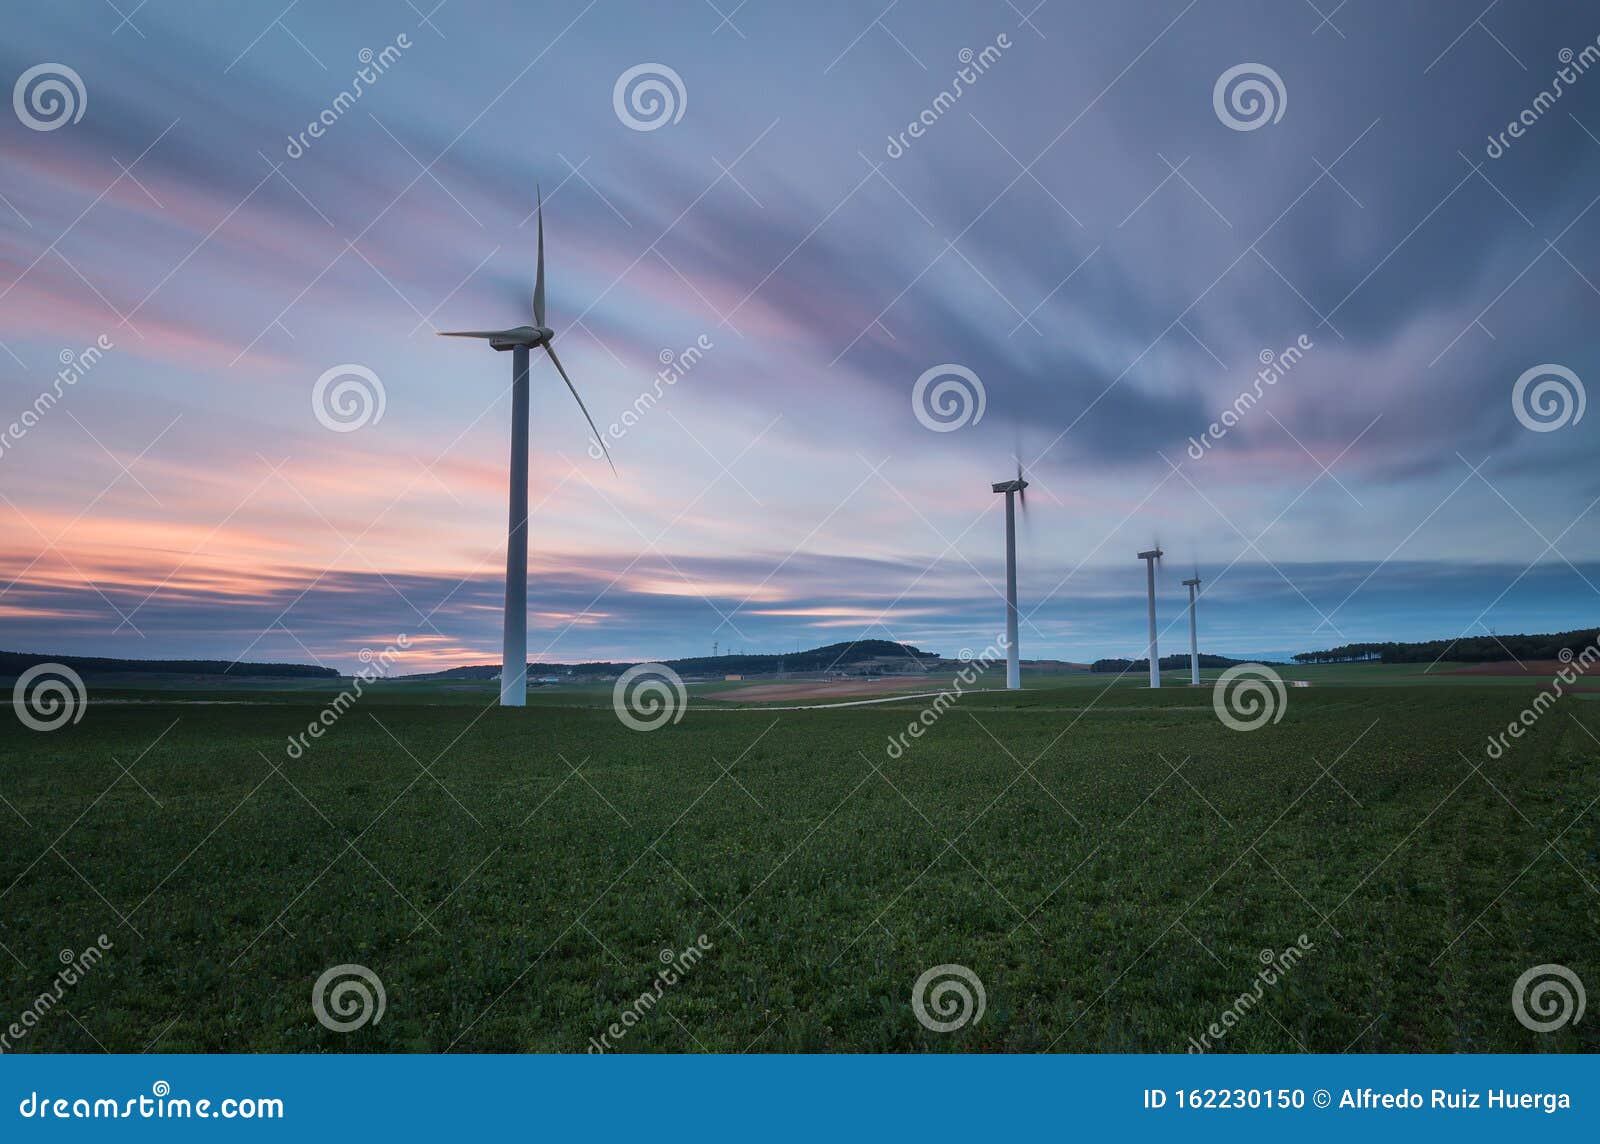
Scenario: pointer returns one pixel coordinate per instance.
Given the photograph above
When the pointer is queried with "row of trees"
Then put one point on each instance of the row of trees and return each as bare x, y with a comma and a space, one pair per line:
1465, 649
836, 656
1349, 653
17, 662
1168, 663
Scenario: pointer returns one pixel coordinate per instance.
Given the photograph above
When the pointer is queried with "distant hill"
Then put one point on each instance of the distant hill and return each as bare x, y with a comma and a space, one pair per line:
1168, 663
17, 662
1468, 649
855, 656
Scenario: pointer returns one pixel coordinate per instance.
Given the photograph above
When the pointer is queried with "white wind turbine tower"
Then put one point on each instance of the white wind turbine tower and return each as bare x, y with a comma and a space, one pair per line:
1150, 558
514, 646
1194, 639
1014, 491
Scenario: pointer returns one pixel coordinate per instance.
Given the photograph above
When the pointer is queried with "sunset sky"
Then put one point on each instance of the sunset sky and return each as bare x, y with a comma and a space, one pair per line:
1080, 229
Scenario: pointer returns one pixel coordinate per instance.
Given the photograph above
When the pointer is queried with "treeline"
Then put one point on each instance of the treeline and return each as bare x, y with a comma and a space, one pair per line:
17, 662
1349, 653
1168, 663
1466, 649
834, 656
837, 655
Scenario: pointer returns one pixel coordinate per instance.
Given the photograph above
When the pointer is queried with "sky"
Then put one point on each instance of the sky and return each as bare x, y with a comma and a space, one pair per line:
1106, 218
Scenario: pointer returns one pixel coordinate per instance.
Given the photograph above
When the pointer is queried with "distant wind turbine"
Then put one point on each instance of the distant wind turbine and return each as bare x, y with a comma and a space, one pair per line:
1014, 491
514, 660
1194, 639
1150, 559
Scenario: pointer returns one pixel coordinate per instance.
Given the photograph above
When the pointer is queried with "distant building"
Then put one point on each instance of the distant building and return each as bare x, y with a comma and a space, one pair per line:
733, 678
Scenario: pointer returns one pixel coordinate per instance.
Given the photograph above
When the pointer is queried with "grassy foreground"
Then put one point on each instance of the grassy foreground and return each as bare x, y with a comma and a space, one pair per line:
516, 879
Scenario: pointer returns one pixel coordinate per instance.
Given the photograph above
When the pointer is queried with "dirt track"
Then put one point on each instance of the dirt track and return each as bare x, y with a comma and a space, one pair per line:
1532, 668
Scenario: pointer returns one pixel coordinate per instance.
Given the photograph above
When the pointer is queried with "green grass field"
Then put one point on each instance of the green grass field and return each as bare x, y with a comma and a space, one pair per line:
513, 877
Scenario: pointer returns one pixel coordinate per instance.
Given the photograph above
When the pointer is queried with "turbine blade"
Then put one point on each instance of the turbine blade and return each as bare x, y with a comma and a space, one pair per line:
551, 350
470, 333
538, 281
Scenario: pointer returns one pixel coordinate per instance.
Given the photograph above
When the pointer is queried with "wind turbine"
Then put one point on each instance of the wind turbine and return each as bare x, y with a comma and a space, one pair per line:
1014, 492
519, 340
1194, 640
1150, 559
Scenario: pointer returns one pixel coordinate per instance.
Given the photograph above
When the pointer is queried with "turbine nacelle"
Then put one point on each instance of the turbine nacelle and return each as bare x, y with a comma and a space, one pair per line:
525, 336
1015, 486
1153, 554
